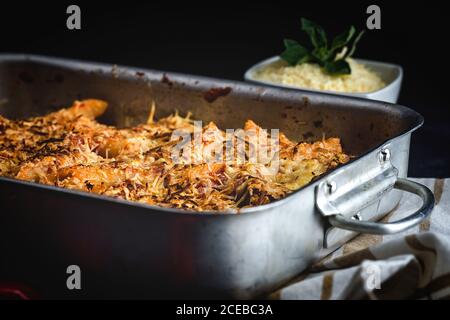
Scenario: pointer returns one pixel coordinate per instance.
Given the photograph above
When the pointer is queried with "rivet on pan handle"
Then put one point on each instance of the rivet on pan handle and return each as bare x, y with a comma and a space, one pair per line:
340, 221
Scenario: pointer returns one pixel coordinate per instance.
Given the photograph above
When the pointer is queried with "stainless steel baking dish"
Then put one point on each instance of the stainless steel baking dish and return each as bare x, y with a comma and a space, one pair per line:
129, 250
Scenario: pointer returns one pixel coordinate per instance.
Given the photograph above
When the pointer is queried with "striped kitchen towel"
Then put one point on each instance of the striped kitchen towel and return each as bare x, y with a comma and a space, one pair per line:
411, 265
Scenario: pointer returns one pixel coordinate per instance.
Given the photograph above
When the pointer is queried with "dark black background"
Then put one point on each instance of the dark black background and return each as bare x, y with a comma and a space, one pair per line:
223, 38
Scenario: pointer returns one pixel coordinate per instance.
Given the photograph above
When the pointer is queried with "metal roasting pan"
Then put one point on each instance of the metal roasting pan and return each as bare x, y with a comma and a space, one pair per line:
129, 250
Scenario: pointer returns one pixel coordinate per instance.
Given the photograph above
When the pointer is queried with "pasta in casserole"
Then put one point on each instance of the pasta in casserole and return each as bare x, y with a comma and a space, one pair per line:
70, 149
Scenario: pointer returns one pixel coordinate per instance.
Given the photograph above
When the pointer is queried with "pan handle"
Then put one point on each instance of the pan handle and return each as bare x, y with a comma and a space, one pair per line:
340, 221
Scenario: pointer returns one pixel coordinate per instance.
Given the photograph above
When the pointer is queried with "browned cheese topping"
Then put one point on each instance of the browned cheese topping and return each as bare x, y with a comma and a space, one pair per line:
70, 149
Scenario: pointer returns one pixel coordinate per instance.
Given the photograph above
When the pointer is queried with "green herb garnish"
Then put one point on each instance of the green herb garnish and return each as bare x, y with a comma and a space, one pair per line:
331, 57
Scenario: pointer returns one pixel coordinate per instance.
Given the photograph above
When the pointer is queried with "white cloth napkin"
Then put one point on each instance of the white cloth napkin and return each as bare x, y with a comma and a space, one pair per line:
411, 265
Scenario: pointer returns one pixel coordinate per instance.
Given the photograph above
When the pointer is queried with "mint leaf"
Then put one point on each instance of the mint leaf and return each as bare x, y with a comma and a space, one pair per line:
321, 54
315, 32
337, 67
355, 42
290, 43
294, 53
342, 39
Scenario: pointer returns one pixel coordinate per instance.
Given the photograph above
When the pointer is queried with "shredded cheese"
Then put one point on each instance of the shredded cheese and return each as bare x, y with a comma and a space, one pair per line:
70, 149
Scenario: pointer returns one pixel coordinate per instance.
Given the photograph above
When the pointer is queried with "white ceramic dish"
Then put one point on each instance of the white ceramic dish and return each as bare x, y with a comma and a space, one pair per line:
391, 74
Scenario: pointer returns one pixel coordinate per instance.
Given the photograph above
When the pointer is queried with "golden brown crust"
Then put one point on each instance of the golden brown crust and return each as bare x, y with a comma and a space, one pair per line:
70, 149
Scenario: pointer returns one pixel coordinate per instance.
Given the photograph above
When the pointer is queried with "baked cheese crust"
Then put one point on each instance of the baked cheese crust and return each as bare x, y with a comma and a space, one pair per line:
70, 149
